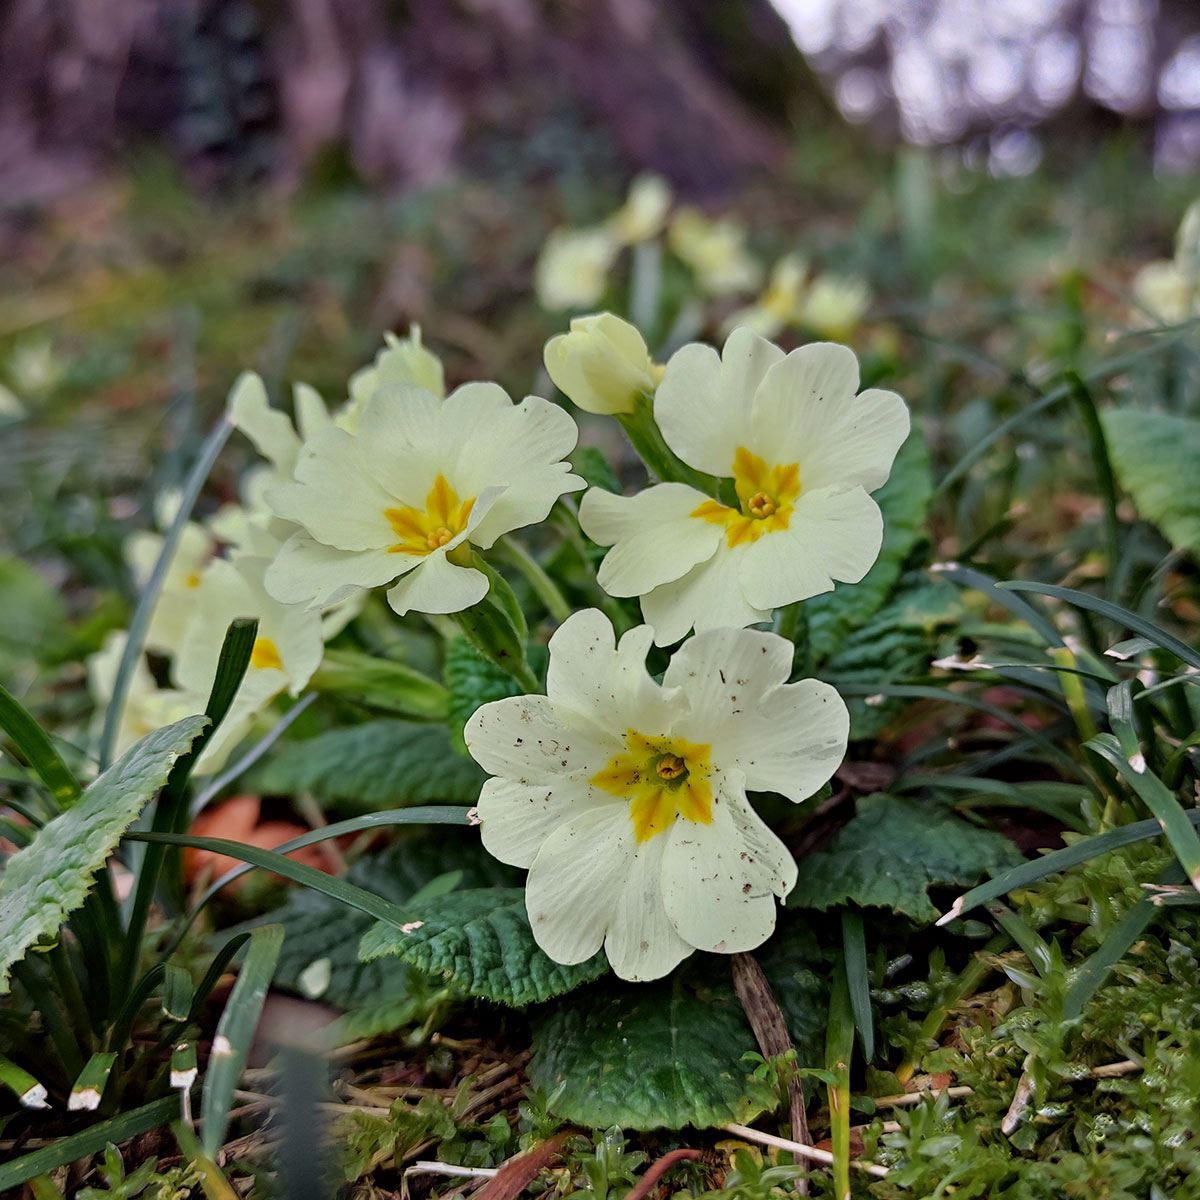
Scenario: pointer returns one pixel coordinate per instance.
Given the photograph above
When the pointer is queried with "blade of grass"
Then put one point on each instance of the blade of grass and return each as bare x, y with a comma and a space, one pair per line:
1105, 481
1176, 822
231, 1043
1053, 863
839, 1047
88, 1141
1035, 949
28, 1091
1019, 607
858, 981
145, 606
1121, 616
171, 810
89, 1086
944, 695
243, 764
38, 750
1096, 968
270, 860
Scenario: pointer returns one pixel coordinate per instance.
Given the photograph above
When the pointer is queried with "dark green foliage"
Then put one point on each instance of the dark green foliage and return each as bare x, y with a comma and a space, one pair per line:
379, 764
892, 851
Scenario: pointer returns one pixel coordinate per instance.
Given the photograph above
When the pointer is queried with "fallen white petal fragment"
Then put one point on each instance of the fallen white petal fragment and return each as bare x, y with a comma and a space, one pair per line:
1138, 763
221, 1047
314, 979
411, 926
183, 1079
35, 1097
954, 911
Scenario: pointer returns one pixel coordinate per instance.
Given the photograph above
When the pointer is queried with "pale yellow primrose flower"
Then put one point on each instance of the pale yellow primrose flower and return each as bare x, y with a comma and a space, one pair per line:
779, 304
831, 305
627, 801
405, 499
715, 251
644, 212
834, 305
602, 365
1170, 290
177, 595
803, 452
572, 270
403, 360
290, 639
149, 707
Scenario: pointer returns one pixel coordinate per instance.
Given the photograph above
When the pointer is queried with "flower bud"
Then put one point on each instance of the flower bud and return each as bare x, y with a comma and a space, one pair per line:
602, 365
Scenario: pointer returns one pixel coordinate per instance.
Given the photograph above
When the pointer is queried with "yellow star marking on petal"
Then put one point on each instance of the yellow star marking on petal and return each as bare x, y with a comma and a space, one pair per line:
662, 778
265, 655
766, 495
443, 519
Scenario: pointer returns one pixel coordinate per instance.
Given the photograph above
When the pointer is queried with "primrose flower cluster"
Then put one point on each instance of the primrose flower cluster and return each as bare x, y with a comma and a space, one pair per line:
575, 266
627, 798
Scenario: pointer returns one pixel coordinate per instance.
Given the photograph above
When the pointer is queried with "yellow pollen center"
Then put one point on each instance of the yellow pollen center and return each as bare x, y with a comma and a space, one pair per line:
422, 531
671, 766
193, 580
265, 654
663, 778
766, 495
761, 505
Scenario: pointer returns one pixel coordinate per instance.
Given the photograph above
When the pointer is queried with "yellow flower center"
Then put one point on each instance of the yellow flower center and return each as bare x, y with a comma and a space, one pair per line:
442, 520
662, 778
767, 496
192, 581
265, 654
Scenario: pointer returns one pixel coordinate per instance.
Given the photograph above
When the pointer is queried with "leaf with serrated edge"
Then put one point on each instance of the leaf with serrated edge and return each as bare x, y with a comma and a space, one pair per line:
481, 940
379, 764
650, 1056
44, 883
321, 930
892, 851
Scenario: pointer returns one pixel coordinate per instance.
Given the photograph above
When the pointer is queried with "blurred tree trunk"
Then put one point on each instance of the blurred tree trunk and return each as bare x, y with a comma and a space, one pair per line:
406, 94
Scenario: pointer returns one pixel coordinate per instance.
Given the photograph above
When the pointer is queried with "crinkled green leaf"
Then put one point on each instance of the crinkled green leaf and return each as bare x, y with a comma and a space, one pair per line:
1155, 456
44, 883
379, 764
650, 1056
904, 500
892, 851
323, 935
472, 681
896, 643
481, 940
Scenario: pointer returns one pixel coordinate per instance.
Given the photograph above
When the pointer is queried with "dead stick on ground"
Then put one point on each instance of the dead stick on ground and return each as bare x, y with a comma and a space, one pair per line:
771, 1032
802, 1151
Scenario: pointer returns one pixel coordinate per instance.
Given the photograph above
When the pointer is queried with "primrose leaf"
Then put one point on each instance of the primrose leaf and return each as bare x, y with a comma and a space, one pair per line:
892, 851
473, 681
375, 765
45, 882
903, 500
1154, 456
896, 643
649, 1056
320, 952
480, 939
